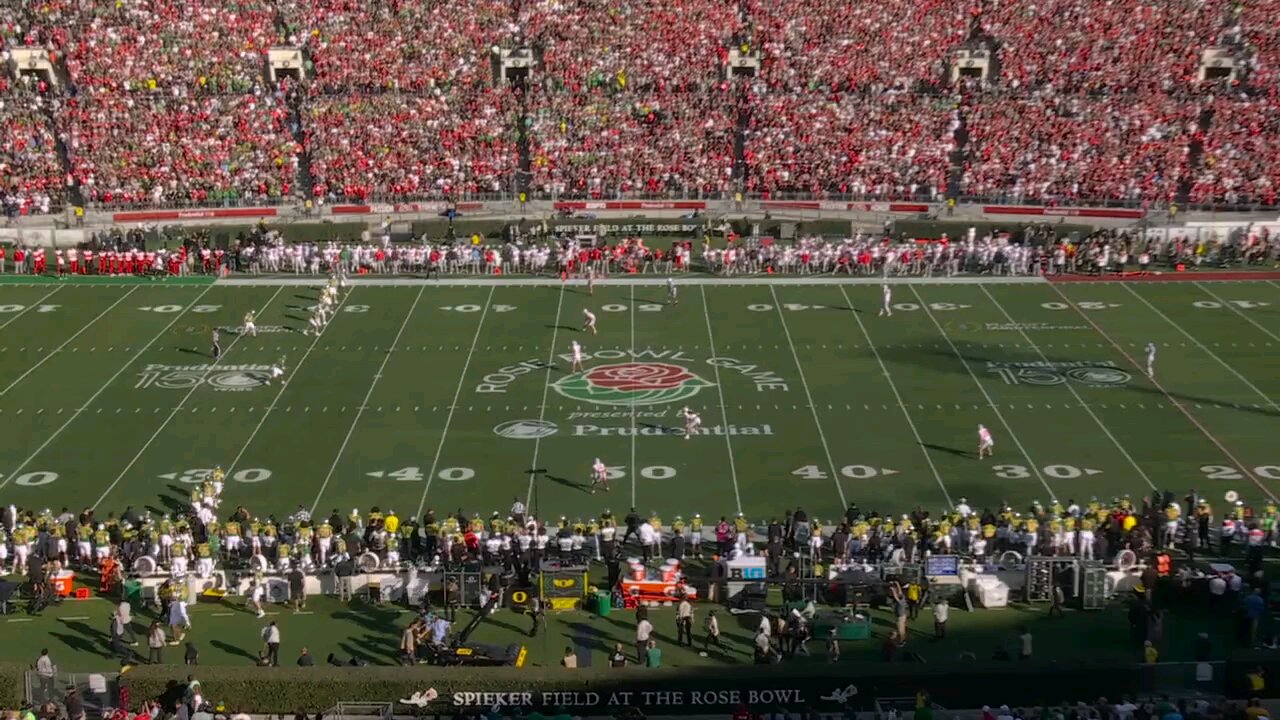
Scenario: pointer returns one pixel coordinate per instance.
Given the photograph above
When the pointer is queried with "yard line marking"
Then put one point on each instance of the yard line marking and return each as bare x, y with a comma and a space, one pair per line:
53, 436
360, 412
30, 307
724, 413
898, 396
1074, 393
835, 476
58, 349
1201, 345
542, 407
633, 470
457, 393
1174, 401
982, 389
1237, 311
181, 403
283, 386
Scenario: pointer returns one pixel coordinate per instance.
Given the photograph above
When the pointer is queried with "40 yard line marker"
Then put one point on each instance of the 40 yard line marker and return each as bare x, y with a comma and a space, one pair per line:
58, 349
372, 385
457, 393
181, 404
835, 475
54, 435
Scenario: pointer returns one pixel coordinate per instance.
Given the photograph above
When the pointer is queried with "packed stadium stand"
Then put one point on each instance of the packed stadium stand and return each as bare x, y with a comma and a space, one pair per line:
173, 102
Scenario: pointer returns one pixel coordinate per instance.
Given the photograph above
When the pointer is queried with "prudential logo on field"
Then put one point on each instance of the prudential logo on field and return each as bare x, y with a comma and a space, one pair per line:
526, 429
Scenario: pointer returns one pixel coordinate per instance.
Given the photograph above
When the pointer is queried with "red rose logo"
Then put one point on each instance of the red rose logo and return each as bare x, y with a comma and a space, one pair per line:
639, 376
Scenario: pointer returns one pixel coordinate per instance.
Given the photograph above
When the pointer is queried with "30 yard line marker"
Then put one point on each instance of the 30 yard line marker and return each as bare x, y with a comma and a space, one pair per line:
181, 404
1074, 393
982, 389
30, 307
360, 412
54, 435
724, 413
835, 475
1201, 345
542, 407
457, 393
283, 386
898, 396
58, 349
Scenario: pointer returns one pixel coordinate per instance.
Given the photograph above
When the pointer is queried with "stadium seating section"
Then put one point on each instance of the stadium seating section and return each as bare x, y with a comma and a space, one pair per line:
165, 102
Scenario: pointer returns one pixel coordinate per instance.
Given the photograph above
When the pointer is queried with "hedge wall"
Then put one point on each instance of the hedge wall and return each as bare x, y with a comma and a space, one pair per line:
13, 688
671, 691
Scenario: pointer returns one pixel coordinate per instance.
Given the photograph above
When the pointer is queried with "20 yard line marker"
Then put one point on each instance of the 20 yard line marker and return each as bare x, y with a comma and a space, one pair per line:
982, 389
54, 435
898, 396
724, 413
457, 393
372, 385
835, 476
181, 404
58, 349
542, 407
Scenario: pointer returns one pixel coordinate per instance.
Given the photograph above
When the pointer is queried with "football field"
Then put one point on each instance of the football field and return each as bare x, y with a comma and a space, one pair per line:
460, 395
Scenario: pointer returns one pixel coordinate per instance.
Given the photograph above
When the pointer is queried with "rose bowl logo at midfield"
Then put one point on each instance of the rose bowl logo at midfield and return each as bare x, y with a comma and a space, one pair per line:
632, 384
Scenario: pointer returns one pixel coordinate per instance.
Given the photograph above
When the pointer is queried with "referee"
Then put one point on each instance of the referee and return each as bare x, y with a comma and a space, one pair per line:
217, 345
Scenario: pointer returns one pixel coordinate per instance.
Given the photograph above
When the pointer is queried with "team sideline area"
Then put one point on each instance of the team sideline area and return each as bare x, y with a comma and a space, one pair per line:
450, 397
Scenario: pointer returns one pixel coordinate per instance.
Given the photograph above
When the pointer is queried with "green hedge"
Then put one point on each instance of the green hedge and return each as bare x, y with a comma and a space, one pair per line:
697, 690
12, 685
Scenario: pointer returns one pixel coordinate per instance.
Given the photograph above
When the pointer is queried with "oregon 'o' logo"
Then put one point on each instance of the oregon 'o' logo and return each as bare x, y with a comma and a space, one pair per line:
526, 429
1099, 376
632, 384
237, 380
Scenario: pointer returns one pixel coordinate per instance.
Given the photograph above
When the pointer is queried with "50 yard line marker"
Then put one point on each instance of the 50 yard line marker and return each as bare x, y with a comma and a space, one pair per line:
1074, 393
31, 307
982, 389
342, 449
835, 475
179, 407
542, 409
724, 411
453, 406
54, 435
884, 370
66, 342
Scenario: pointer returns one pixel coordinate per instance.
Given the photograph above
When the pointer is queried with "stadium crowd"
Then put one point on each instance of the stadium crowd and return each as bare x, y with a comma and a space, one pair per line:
164, 102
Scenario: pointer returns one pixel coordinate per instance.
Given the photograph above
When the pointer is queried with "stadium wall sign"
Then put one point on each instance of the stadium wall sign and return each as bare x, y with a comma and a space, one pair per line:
1112, 213
157, 215
391, 209
835, 205
631, 205
626, 228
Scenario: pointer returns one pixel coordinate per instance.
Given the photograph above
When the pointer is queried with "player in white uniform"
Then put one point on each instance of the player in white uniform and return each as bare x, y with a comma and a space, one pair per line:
315, 325
885, 309
692, 423
599, 476
277, 371
672, 297
591, 280
986, 443
249, 327
1151, 360
589, 322
577, 356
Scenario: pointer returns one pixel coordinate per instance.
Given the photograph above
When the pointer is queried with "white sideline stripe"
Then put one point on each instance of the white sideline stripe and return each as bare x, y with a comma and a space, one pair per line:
66, 342
654, 281
284, 384
835, 475
990, 402
53, 436
453, 407
632, 469
1237, 311
179, 407
1074, 393
31, 307
365, 403
884, 370
724, 410
1176, 403
1202, 346
542, 407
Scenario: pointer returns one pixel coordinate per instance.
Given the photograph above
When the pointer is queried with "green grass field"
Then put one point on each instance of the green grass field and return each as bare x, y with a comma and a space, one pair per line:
439, 396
